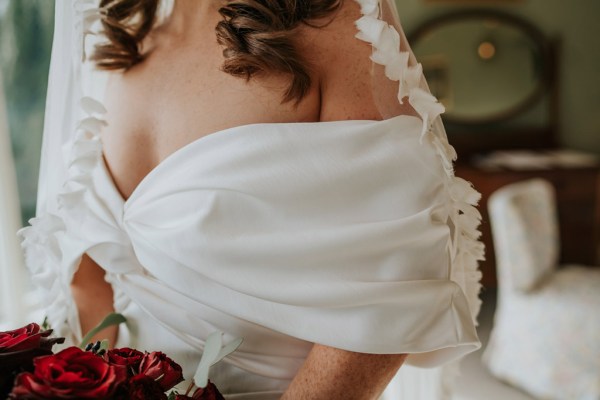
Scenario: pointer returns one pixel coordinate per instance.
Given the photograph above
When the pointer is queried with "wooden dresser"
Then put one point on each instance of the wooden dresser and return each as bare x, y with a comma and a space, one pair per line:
578, 201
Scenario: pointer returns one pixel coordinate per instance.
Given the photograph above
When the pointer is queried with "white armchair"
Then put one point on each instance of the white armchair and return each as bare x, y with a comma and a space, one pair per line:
546, 334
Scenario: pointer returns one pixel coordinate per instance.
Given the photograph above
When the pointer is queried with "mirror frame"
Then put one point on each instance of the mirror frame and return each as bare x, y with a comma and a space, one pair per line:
519, 23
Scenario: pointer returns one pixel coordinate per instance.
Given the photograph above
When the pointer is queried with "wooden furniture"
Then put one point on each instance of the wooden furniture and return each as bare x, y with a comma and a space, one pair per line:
578, 200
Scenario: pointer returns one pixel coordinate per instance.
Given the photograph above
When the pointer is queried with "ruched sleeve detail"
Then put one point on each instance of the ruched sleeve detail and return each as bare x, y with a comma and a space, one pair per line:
467, 250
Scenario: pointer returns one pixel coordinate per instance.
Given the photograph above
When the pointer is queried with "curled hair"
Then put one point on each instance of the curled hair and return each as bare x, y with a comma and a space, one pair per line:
257, 36
126, 23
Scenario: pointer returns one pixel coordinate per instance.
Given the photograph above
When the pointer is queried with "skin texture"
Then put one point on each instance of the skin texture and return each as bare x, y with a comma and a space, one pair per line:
178, 94
334, 374
94, 298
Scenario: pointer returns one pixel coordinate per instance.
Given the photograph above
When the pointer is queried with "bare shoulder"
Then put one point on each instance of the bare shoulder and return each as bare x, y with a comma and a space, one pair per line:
343, 65
351, 85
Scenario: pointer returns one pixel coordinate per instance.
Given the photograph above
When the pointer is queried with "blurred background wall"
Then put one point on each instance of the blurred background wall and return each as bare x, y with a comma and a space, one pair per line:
576, 25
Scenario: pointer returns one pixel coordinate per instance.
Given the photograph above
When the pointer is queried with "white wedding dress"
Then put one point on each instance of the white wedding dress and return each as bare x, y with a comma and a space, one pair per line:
352, 234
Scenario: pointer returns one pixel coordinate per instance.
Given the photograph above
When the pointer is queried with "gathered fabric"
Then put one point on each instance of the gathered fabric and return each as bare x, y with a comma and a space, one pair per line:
353, 234
283, 234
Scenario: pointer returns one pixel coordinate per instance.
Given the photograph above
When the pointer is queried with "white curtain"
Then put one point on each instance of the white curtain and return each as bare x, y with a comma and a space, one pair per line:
13, 287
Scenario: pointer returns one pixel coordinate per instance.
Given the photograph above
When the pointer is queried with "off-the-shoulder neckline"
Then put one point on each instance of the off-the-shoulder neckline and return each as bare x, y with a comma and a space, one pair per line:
222, 134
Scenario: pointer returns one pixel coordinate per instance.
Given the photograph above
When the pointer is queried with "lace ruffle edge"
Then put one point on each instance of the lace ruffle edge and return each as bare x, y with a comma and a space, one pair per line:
464, 247
48, 244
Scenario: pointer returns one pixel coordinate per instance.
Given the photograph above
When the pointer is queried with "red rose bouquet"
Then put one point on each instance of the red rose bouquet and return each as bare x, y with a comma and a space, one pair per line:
30, 371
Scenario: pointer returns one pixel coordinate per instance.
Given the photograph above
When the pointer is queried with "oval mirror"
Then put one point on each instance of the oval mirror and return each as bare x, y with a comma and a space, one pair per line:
483, 65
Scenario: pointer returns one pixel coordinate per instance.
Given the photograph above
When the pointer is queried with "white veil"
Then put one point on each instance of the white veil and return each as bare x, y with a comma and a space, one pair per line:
395, 75
69, 81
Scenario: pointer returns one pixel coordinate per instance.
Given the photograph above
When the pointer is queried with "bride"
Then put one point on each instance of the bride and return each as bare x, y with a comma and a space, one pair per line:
275, 170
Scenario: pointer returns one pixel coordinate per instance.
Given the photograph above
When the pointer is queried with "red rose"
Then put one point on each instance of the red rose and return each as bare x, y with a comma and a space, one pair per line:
210, 392
69, 374
27, 337
161, 368
142, 387
18, 348
125, 357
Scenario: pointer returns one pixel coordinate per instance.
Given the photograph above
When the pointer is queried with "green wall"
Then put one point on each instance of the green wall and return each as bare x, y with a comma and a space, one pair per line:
576, 23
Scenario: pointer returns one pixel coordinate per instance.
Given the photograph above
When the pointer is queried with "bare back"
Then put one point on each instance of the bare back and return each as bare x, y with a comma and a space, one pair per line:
179, 94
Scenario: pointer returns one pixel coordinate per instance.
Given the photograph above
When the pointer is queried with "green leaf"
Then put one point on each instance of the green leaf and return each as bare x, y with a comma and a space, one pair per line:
45, 326
110, 320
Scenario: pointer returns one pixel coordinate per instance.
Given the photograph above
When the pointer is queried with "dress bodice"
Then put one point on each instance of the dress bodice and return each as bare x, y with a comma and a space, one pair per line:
282, 234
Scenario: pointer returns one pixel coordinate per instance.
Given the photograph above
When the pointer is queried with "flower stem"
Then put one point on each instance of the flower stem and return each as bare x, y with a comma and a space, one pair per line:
189, 389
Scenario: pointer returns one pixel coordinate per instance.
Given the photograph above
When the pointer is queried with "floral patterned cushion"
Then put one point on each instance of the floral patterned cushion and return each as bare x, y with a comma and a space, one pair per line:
525, 230
547, 342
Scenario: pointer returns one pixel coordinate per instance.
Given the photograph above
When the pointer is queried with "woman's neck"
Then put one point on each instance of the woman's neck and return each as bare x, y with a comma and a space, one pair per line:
188, 15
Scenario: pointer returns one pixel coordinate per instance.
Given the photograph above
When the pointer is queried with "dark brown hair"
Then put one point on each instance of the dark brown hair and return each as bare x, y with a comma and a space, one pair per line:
257, 36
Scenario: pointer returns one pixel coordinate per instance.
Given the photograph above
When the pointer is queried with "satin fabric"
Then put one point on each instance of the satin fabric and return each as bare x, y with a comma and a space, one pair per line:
285, 235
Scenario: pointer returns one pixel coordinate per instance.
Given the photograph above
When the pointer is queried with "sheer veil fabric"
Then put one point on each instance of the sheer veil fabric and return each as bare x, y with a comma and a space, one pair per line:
431, 235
